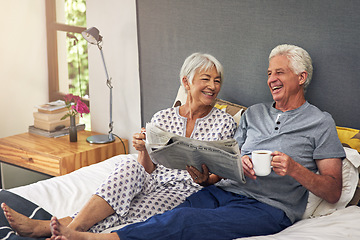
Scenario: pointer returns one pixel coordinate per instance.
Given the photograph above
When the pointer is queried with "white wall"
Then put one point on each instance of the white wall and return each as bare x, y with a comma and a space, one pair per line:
23, 65
116, 21
24, 75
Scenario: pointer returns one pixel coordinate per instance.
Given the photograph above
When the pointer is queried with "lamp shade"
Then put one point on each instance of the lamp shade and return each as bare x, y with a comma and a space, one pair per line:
92, 35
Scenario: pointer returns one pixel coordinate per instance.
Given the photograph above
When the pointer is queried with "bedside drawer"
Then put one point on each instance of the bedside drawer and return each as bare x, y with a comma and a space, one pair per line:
31, 160
56, 156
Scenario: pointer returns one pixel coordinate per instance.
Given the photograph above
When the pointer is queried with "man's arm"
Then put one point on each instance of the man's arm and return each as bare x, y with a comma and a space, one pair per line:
326, 185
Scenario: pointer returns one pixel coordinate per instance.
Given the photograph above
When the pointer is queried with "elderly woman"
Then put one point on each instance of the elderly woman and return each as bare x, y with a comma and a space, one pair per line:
303, 140
138, 189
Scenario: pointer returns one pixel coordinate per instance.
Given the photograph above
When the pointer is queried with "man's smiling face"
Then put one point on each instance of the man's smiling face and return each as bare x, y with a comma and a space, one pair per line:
284, 84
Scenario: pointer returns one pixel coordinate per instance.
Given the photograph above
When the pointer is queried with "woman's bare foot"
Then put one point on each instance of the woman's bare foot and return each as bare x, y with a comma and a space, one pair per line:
62, 232
58, 231
25, 226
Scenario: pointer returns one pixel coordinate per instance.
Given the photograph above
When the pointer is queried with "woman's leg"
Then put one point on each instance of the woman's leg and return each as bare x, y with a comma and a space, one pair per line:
95, 210
61, 232
154, 194
159, 201
112, 199
113, 190
28, 227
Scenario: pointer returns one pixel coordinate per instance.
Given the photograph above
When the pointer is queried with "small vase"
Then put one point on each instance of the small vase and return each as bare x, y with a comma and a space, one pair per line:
73, 129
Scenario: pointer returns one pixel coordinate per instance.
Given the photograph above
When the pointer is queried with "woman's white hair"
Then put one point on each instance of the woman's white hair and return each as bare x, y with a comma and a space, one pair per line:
201, 61
299, 59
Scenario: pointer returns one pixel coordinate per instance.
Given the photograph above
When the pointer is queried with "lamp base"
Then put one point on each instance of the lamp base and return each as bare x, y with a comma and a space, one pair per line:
99, 139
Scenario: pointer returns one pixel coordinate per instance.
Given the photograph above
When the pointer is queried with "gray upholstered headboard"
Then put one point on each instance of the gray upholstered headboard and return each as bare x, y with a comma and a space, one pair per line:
241, 33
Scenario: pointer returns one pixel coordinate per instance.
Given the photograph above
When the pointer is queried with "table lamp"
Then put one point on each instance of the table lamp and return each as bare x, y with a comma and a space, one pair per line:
93, 37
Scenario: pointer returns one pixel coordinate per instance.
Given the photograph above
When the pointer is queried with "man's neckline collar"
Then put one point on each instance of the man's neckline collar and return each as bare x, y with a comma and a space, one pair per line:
273, 109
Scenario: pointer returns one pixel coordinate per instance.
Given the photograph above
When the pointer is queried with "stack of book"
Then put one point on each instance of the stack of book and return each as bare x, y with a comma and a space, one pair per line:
47, 120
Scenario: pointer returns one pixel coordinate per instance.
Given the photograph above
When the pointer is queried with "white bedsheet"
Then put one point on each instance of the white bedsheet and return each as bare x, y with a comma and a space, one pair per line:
62, 196
343, 224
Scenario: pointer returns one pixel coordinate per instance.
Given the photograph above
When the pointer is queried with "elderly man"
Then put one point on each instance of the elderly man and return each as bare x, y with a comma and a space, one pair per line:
303, 140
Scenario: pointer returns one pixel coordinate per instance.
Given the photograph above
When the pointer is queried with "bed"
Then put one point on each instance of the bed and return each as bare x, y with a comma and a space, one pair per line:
62, 196
322, 220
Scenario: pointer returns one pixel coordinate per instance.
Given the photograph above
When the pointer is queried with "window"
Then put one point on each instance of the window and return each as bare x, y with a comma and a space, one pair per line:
67, 50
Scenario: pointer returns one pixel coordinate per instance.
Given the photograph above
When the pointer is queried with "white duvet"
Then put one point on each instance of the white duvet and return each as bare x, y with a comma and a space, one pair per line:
64, 195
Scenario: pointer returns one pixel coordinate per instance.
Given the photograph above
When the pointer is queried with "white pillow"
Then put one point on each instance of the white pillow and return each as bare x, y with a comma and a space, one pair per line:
181, 96
318, 207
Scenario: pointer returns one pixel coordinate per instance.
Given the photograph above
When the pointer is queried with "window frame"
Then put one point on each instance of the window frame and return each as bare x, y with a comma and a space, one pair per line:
52, 26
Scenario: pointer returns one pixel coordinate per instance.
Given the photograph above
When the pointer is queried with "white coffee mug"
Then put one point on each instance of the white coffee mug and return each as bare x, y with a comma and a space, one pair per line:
261, 160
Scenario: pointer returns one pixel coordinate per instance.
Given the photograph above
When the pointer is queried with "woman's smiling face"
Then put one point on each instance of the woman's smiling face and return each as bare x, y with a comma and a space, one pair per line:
205, 86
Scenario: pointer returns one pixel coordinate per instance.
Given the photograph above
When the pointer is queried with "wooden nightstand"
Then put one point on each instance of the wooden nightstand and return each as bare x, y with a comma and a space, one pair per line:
56, 156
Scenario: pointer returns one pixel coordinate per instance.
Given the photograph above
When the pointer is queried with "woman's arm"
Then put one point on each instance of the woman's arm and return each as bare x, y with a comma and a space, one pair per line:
203, 178
144, 159
143, 156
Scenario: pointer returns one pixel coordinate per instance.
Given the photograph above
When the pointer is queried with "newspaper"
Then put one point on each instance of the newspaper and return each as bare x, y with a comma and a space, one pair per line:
173, 151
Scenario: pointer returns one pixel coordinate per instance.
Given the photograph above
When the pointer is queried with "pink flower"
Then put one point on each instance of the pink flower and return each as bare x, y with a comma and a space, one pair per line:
68, 98
75, 106
81, 108
76, 99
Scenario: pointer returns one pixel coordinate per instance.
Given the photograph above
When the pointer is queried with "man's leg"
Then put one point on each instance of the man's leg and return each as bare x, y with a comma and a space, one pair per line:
210, 214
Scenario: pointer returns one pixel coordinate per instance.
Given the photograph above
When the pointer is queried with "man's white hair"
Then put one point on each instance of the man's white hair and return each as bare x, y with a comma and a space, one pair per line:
299, 58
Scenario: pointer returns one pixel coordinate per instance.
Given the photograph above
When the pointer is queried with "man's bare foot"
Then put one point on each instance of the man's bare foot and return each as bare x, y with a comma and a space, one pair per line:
62, 232
25, 226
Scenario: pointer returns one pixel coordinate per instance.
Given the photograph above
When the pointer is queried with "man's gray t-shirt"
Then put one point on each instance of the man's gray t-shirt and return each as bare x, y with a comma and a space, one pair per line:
305, 134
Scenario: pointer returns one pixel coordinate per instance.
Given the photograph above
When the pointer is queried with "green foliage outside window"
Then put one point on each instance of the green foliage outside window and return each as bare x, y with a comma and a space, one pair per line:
77, 54
77, 50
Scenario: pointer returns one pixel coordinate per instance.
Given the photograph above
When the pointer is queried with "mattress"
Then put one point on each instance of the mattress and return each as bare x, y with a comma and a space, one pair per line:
64, 195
